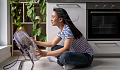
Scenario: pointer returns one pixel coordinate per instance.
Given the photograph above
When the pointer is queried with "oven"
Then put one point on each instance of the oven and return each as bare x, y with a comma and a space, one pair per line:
103, 21
103, 27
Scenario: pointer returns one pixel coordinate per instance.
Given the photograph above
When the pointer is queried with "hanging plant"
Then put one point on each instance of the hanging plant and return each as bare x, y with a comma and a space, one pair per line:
42, 4
15, 13
31, 13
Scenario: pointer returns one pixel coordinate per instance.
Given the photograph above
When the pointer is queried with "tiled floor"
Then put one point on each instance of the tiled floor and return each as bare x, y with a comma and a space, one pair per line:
44, 64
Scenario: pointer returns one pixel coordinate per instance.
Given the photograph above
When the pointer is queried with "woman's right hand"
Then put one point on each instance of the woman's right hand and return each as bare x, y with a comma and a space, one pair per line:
41, 53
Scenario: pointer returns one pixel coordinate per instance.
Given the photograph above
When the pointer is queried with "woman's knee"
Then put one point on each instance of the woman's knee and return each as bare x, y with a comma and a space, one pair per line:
64, 58
65, 55
56, 47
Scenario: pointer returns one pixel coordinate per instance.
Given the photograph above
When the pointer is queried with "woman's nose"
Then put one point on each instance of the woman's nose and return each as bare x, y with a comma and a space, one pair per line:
51, 20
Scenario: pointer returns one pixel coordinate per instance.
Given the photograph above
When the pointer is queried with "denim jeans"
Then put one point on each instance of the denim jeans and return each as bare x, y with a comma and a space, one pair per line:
73, 58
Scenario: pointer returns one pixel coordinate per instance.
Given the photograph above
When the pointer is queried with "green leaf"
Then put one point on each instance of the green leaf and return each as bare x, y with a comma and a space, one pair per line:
41, 2
13, 8
36, 0
31, 2
34, 26
43, 38
44, 18
29, 12
28, 0
35, 23
19, 11
35, 32
18, 17
14, 21
18, 23
13, 14
43, 9
27, 4
32, 8
33, 15
12, 1
17, 1
39, 31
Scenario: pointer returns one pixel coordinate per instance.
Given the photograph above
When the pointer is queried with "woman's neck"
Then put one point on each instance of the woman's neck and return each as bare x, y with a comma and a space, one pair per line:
61, 26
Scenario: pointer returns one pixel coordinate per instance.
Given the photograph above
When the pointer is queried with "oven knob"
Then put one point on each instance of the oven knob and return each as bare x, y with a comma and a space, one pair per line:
113, 6
96, 6
104, 6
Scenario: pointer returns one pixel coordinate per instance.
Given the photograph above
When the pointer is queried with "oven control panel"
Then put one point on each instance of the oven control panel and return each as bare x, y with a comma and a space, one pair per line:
103, 5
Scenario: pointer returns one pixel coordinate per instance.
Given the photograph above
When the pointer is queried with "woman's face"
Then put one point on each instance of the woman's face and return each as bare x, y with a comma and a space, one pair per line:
54, 19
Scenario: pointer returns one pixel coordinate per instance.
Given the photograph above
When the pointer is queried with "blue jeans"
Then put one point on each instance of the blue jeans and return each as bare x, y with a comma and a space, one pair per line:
73, 58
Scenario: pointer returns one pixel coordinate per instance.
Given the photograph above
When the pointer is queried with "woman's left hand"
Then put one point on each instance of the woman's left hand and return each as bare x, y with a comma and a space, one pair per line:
41, 53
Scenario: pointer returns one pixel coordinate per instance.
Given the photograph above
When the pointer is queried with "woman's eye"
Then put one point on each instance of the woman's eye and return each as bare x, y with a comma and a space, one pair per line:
52, 17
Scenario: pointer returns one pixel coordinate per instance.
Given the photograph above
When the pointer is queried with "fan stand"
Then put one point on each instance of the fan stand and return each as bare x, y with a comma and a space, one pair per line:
21, 63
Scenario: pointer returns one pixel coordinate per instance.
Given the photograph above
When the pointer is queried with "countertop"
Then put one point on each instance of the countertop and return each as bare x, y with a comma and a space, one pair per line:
80, 1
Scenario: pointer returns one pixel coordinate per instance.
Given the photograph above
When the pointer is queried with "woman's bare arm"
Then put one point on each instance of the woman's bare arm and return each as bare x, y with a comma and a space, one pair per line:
49, 44
66, 47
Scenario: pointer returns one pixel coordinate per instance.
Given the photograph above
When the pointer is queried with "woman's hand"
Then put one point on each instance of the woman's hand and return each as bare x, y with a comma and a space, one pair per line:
41, 53
33, 40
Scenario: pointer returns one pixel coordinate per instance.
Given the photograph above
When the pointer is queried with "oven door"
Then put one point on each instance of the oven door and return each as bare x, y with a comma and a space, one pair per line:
103, 25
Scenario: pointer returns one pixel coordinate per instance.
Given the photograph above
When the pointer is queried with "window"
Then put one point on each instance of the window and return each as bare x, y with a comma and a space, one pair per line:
4, 22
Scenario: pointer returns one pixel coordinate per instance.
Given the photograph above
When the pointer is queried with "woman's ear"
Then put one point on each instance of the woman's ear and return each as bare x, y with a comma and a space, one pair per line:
60, 19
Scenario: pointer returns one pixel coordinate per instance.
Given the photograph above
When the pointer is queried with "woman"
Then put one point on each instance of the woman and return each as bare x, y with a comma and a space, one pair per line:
76, 51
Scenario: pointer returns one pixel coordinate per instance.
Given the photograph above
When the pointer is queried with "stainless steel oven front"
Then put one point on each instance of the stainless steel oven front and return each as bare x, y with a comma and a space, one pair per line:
103, 21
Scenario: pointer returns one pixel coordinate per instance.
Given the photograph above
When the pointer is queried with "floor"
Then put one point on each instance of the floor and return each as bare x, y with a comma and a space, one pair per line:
44, 64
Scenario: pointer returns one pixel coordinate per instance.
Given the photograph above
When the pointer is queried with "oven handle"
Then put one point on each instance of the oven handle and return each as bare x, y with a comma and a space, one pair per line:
68, 5
106, 44
105, 12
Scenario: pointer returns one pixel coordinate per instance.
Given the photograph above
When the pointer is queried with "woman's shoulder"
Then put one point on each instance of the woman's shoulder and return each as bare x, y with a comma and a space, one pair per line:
67, 28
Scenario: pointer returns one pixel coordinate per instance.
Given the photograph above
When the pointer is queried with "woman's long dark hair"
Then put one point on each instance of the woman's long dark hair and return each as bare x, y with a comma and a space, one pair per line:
61, 13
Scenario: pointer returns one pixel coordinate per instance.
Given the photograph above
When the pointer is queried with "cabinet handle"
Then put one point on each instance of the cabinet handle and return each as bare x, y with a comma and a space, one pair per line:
68, 5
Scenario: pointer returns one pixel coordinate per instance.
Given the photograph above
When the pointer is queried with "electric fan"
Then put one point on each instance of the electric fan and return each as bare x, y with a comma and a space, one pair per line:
26, 45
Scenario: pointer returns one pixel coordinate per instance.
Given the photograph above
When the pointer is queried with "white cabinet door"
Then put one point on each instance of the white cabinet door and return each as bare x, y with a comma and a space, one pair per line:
77, 13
